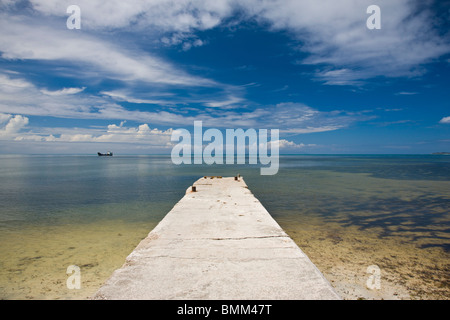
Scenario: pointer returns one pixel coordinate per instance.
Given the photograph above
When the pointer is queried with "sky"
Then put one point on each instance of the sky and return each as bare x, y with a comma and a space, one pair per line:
137, 70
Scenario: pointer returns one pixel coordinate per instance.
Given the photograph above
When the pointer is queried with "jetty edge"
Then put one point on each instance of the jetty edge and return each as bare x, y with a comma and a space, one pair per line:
217, 243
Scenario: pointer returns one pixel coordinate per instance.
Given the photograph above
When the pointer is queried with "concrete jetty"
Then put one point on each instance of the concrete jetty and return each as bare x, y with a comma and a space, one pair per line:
217, 243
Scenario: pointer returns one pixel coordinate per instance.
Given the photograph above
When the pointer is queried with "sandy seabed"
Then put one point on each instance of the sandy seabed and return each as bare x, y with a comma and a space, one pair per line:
407, 271
34, 260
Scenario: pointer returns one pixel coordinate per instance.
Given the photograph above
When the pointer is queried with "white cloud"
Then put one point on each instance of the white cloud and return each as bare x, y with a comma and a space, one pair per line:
13, 85
11, 125
333, 34
4, 118
140, 137
445, 120
165, 15
14, 127
297, 118
336, 38
121, 96
407, 93
313, 129
290, 118
286, 144
22, 39
15, 124
20, 96
63, 92
27, 99
340, 77
196, 43
231, 97
230, 101
143, 134
187, 41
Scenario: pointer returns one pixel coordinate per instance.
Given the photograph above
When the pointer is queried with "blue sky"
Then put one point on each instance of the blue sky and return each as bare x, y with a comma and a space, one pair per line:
136, 70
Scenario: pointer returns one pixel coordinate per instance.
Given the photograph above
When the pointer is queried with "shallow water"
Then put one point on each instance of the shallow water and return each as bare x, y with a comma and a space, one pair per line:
345, 212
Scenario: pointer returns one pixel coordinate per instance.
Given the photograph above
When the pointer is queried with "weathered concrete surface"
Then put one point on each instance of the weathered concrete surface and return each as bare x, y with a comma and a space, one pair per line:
217, 243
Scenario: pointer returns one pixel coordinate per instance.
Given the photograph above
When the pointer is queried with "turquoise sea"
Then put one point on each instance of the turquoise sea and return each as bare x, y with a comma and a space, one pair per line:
345, 211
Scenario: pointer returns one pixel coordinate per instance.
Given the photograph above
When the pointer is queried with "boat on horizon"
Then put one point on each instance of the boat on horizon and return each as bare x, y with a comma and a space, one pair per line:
108, 154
